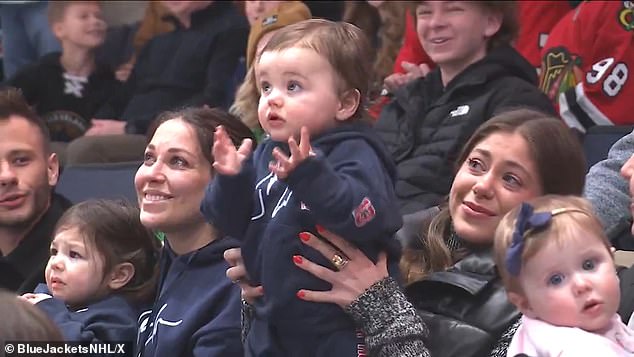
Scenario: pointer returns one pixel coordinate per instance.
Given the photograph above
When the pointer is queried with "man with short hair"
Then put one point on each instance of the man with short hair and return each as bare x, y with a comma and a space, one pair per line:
29, 209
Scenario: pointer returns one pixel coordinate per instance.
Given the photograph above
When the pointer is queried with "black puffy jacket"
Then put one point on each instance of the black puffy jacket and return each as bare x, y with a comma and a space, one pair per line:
185, 67
464, 307
426, 125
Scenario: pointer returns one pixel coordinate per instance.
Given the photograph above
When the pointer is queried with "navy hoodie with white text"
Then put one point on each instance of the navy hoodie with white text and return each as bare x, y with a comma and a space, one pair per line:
197, 310
111, 319
347, 187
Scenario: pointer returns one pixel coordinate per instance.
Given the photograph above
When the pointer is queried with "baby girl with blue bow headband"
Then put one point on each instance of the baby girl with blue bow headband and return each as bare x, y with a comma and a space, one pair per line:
557, 266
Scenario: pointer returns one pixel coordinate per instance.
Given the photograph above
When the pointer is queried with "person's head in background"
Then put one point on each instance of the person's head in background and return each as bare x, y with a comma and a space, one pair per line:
77, 24
21, 321
312, 74
456, 34
177, 166
556, 263
28, 169
364, 15
386, 32
513, 157
256, 9
390, 37
101, 248
287, 13
183, 10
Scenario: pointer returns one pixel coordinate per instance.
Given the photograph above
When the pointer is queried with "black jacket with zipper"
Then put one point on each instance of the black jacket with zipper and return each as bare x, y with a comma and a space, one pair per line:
465, 307
426, 125
185, 67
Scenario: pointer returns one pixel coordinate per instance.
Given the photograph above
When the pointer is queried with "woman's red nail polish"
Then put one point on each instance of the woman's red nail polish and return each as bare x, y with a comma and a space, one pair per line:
304, 236
301, 294
320, 229
297, 259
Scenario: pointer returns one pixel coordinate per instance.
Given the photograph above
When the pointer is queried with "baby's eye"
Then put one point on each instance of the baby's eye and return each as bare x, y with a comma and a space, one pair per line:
588, 264
555, 279
265, 87
53, 251
293, 86
74, 254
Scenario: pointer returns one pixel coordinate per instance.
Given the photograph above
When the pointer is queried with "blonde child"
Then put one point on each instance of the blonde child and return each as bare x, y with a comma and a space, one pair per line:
101, 272
558, 269
312, 78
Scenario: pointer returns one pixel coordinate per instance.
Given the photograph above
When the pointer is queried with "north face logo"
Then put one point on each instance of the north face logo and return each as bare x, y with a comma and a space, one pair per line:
461, 110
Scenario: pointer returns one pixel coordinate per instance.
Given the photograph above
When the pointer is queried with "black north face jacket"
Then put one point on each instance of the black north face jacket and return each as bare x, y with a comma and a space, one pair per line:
426, 125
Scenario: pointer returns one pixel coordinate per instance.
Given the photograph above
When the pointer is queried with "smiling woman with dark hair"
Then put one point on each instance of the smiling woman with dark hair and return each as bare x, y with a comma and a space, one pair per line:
197, 309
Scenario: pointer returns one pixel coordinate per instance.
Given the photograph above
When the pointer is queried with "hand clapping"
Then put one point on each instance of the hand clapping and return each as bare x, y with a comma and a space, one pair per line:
228, 160
283, 164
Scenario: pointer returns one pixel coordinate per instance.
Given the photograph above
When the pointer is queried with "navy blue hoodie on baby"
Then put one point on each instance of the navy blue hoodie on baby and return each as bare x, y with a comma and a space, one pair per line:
347, 187
111, 319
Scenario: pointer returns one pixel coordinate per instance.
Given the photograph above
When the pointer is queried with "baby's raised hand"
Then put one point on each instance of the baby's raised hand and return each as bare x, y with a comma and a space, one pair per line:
283, 164
228, 160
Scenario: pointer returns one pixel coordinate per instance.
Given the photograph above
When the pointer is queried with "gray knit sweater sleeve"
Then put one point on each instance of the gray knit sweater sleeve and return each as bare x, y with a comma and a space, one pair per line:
393, 328
607, 190
390, 322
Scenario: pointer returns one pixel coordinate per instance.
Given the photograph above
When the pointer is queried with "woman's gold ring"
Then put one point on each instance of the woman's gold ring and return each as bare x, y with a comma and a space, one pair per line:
338, 261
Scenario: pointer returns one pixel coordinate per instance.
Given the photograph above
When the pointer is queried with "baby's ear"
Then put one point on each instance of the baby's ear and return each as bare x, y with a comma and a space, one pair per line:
521, 302
120, 275
348, 104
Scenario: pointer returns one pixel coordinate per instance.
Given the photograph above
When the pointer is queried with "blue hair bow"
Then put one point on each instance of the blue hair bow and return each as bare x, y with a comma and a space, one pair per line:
526, 220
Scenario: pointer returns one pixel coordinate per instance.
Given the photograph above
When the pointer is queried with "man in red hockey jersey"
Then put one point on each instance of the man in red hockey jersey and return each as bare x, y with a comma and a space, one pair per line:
586, 64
